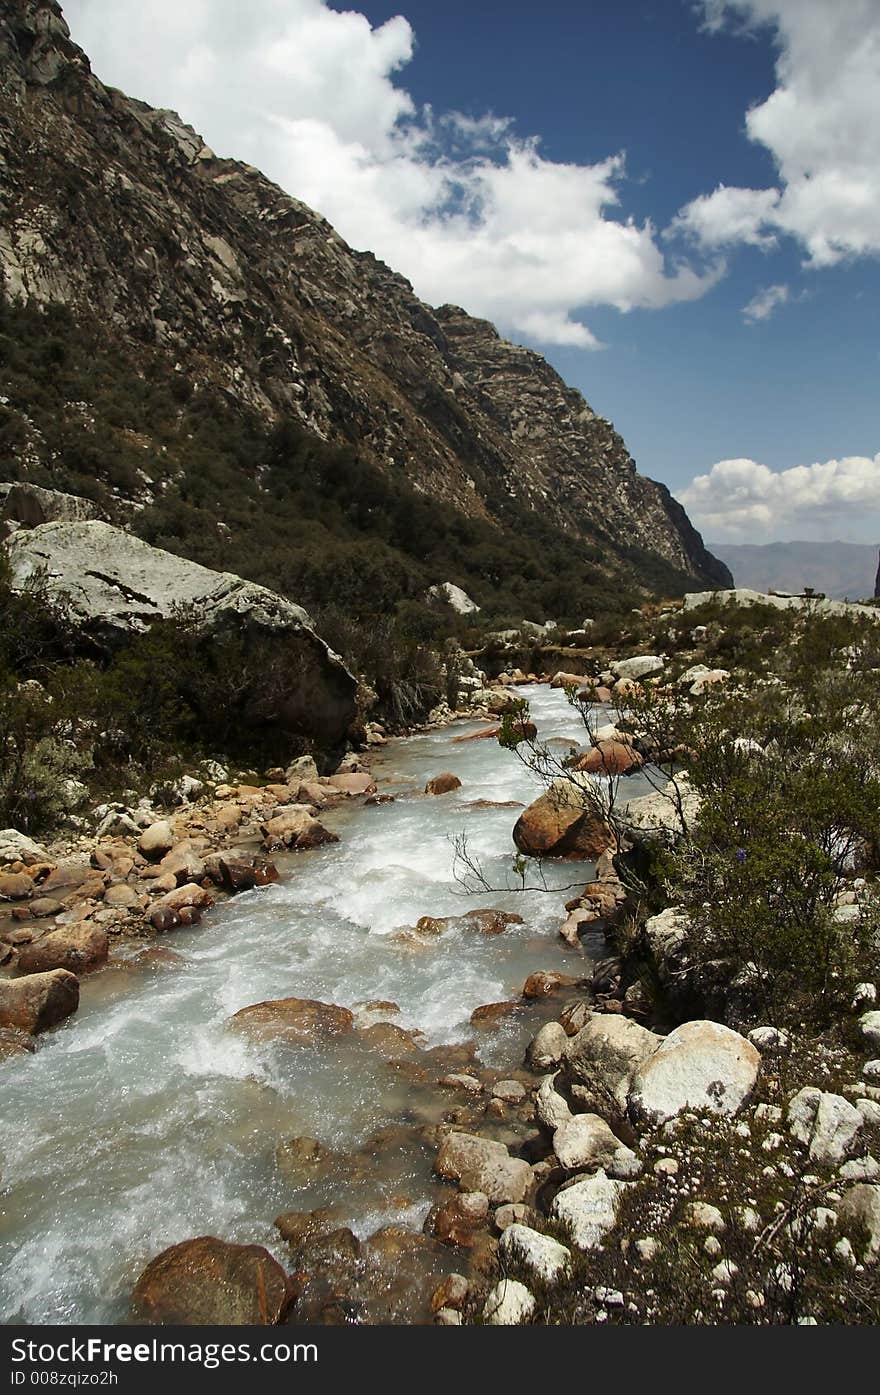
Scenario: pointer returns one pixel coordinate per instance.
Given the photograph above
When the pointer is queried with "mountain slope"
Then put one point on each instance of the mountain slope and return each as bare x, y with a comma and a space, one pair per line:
121, 213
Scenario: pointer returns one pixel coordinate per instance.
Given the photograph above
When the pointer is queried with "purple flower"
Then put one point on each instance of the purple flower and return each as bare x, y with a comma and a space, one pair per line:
740, 854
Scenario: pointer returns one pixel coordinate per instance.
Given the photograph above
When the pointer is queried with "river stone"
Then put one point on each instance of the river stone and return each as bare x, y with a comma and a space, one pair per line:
610, 758
156, 840
702, 1066
589, 1208
122, 894
15, 886
461, 1219
546, 981
508, 1304
560, 823
79, 949
547, 1047
38, 1001
481, 1165
209, 1282
114, 585
642, 666
606, 1052
586, 1141
827, 1123
545, 1258
551, 1108
298, 1021
443, 784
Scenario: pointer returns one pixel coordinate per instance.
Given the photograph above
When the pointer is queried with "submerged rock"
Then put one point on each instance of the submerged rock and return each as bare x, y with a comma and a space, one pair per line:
209, 1282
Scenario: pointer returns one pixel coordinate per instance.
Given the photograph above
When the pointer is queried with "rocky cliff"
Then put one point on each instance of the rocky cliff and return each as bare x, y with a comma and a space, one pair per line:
121, 211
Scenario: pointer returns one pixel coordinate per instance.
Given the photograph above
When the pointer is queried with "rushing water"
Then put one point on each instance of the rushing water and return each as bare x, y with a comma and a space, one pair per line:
144, 1119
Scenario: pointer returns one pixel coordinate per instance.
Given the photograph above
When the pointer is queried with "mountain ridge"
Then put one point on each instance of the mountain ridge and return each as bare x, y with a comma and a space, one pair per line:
119, 210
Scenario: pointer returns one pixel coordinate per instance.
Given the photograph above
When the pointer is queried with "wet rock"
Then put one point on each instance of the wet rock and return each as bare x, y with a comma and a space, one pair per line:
295, 828
390, 1041
15, 886
213, 1283
544, 1258
560, 824
509, 1091
443, 784
451, 1293
513, 1213
79, 949
508, 1304
14, 1043
468, 1083
38, 1001
158, 957
298, 1227
479, 1164
298, 1021
701, 1065
458, 1220
605, 1054
589, 1209
492, 922
545, 982
491, 1015
300, 1159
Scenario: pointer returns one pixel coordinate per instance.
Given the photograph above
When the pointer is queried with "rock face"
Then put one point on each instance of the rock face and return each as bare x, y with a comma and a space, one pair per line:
115, 585
39, 1001
701, 1065
209, 1282
123, 211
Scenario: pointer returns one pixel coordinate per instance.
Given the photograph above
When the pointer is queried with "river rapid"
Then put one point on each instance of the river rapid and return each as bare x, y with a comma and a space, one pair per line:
144, 1120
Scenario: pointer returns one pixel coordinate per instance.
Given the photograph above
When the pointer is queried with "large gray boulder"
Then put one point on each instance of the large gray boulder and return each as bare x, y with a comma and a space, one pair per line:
114, 585
701, 1065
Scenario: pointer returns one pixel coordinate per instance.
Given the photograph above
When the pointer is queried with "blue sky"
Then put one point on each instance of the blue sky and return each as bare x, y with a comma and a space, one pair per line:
557, 169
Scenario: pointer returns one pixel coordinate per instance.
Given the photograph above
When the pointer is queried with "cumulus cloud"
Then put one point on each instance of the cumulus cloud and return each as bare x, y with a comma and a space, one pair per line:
744, 501
764, 303
820, 124
467, 209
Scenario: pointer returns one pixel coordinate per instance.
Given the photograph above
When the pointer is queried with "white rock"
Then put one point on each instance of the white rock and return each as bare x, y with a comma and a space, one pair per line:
866, 1169
544, 1257
589, 1208
769, 1038
701, 1065
508, 1304
664, 814
871, 1071
705, 1217
725, 1272
606, 1051
869, 1110
548, 1046
639, 667
585, 1140
864, 996
826, 1123
459, 600
869, 1028
14, 846
647, 1249
551, 1108
861, 1205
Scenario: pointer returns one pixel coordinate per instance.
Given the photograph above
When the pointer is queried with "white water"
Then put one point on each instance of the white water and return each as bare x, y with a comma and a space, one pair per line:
144, 1120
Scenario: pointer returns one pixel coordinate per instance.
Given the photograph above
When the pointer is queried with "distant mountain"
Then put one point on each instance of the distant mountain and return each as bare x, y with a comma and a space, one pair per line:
842, 570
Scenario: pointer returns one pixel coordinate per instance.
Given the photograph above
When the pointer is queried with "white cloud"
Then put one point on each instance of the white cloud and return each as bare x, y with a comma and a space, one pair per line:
821, 126
763, 304
743, 501
465, 208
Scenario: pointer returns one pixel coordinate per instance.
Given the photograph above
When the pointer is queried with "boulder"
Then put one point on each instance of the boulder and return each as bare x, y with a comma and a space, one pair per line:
461, 1219
642, 666
508, 1304
299, 1021
589, 1209
295, 828
115, 585
609, 758
563, 823
17, 847
861, 1205
665, 814
38, 1001
78, 948
605, 1054
479, 1164
586, 1141
352, 783
443, 784
827, 1123
551, 1107
15, 886
545, 981
182, 906
544, 1257
209, 1282
28, 505
701, 1066
157, 840
547, 1047
869, 1030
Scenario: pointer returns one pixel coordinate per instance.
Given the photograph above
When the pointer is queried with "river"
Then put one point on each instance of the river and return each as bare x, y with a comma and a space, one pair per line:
144, 1120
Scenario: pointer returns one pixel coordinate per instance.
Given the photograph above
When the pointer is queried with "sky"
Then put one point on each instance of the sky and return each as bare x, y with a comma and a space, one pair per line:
677, 202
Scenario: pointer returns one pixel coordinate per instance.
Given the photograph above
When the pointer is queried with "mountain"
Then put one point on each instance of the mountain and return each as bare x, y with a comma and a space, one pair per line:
843, 571
173, 268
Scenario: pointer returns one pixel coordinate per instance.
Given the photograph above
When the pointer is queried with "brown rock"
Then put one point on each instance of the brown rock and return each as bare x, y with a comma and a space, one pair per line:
212, 1283
544, 982
183, 906
458, 1220
300, 1021
443, 784
610, 758
15, 886
121, 894
183, 863
486, 735
13, 1043
391, 1041
297, 1227
45, 906
70, 872
296, 828
493, 922
353, 783
156, 840
481, 1165
38, 1001
79, 949
558, 825
491, 1015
